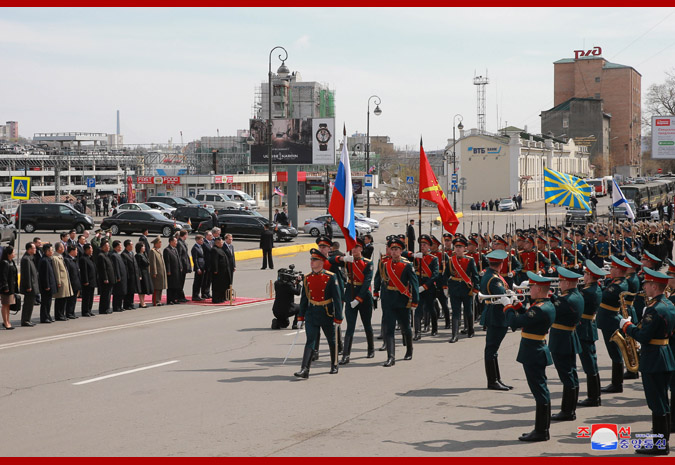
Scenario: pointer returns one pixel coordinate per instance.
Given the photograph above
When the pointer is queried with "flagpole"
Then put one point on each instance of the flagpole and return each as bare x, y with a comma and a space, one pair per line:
543, 162
419, 199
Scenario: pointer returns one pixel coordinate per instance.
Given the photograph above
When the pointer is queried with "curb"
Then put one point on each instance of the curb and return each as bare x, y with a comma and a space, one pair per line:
286, 250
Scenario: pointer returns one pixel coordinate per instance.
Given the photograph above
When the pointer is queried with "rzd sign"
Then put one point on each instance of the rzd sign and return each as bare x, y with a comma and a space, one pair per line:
595, 51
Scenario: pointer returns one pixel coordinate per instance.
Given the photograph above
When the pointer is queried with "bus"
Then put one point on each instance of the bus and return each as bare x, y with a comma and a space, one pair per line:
598, 185
649, 195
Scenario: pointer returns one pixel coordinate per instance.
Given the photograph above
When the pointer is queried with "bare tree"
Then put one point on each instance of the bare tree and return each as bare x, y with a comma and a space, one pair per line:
660, 98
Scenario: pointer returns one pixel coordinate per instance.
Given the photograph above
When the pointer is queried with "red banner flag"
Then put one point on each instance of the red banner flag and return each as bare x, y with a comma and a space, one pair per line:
431, 190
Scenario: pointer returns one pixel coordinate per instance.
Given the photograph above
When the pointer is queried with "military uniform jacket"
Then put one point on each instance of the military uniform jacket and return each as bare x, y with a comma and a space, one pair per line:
493, 284
568, 310
587, 329
533, 261
635, 285
479, 259
568, 259
608, 312
427, 271
400, 281
599, 253
443, 271
657, 326
379, 275
535, 323
321, 293
359, 277
515, 268
456, 284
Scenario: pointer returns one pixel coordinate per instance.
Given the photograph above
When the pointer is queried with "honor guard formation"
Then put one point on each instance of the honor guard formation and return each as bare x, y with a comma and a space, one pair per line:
558, 282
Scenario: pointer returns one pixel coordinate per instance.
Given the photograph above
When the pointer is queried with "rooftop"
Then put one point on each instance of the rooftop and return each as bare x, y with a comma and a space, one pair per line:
606, 64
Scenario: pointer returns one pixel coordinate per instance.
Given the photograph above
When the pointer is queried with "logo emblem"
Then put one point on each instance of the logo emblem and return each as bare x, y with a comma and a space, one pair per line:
604, 437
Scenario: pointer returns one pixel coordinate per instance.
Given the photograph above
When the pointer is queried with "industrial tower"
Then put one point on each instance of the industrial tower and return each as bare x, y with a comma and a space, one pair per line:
480, 82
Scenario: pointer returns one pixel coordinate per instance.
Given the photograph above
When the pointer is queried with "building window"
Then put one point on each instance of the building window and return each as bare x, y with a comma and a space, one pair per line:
597, 95
597, 79
565, 123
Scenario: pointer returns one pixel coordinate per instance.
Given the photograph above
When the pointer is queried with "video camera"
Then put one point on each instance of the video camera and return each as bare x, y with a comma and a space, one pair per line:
289, 275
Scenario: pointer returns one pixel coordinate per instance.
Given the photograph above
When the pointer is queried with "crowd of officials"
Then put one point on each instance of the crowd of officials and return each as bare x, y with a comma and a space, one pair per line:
56, 275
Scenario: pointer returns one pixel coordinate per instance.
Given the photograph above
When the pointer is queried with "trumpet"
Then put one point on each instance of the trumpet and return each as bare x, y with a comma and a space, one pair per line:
495, 298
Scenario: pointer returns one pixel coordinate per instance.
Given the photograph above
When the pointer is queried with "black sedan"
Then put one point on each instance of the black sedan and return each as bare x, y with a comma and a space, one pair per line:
130, 222
249, 226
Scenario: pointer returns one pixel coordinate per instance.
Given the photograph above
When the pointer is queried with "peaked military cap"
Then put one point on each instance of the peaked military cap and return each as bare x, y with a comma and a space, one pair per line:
459, 239
536, 279
651, 257
499, 238
324, 240
435, 240
591, 230
593, 269
497, 255
360, 242
425, 238
619, 263
396, 241
671, 266
631, 260
564, 273
656, 276
447, 235
317, 255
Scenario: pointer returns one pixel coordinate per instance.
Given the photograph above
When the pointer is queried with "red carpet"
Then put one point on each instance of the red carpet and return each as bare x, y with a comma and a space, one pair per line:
207, 302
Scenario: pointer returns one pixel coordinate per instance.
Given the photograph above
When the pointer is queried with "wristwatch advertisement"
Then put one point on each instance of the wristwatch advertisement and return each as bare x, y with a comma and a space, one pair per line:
323, 144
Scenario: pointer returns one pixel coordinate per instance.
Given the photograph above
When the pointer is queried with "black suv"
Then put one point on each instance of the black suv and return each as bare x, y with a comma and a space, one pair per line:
253, 226
171, 201
578, 217
196, 215
52, 216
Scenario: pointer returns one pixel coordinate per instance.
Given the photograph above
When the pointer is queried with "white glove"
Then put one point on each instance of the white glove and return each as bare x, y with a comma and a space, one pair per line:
624, 321
481, 273
510, 275
421, 289
300, 324
505, 301
418, 255
354, 303
348, 259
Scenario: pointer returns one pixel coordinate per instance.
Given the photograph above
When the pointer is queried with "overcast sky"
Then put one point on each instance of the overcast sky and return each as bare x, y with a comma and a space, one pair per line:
195, 70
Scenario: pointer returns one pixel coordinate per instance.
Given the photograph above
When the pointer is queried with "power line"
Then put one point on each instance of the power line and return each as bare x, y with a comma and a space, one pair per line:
642, 35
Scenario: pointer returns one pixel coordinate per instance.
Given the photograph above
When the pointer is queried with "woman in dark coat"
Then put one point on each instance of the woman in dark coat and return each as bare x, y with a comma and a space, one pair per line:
8, 283
144, 265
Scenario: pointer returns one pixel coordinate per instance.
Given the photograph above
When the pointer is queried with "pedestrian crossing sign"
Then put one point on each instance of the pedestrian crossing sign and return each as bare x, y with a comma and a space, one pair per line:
20, 188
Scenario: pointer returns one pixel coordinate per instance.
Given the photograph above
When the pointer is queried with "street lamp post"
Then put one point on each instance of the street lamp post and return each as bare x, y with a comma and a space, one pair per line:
454, 155
377, 112
283, 70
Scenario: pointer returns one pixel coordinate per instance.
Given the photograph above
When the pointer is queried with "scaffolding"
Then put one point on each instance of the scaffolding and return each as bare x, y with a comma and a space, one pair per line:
480, 82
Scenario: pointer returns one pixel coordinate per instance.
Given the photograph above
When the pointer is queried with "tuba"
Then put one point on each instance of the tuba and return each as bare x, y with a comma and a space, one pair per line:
627, 345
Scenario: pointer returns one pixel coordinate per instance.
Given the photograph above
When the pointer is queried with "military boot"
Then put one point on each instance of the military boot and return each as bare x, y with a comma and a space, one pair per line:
333, 360
542, 421
371, 344
391, 352
468, 319
347, 350
306, 362
455, 327
630, 375
593, 400
409, 350
568, 408
434, 324
672, 408
491, 373
660, 425
617, 379
499, 375
446, 316
339, 341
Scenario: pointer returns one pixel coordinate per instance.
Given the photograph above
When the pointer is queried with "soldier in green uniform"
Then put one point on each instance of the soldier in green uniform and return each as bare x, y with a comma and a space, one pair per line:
358, 297
493, 284
608, 320
564, 341
426, 266
402, 293
599, 251
463, 283
533, 352
656, 362
588, 332
670, 293
648, 260
634, 282
321, 308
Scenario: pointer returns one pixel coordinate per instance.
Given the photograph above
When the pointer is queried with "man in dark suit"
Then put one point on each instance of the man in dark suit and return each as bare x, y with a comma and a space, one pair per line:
328, 228
221, 272
199, 263
47, 282
105, 273
29, 284
144, 240
207, 246
133, 275
81, 241
266, 244
70, 260
410, 234
36, 260
369, 248
72, 238
172, 264
228, 247
185, 266
120, 284
88, 279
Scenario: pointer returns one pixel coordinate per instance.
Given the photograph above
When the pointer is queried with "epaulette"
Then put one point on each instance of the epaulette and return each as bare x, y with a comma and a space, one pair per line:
330, 273
367, 260
404, 260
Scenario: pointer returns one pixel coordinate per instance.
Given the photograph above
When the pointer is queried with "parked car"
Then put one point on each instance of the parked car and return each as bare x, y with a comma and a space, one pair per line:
242, 198
130, 222
314, 227
130, 207
193, 201
507, 205
166, 210
578, 217
8, 231
218, 200
174, 202
372, 222
252, 227
52, 216
194, 214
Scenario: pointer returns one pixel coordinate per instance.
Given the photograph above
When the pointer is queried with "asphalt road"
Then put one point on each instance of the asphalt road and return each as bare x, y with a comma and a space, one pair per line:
209, 381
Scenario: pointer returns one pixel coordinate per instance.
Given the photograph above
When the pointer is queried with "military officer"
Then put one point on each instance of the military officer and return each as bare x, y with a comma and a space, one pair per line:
532, 259
656, 362
588, 332
670, 293
599, 251
533, 352
511, 266
634, 286
321, 308
648, 260
359, 299
324, 244
442, 281
564, 341
426, 266
400, 293
608, 319
581, 244
463, 283
377, 289
493, 284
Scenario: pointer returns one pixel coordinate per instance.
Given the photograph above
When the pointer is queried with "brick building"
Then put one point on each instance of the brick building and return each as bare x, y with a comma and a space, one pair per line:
619, 87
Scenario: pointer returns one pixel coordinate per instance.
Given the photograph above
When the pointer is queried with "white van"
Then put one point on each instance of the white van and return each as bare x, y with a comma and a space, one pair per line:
217, 199
243, 197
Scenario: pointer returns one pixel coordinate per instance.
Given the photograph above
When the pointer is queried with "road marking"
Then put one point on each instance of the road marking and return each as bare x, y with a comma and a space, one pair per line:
127, 325
100, 378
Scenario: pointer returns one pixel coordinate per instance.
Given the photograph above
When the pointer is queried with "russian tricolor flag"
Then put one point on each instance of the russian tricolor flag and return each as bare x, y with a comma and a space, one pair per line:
341, 205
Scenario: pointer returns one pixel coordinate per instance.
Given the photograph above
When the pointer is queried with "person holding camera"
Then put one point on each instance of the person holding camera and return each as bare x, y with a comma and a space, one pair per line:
286, 287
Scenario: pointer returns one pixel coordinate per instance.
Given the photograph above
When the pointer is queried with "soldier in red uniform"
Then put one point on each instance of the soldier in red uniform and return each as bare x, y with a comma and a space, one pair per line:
463, 282
426, 267
442, 282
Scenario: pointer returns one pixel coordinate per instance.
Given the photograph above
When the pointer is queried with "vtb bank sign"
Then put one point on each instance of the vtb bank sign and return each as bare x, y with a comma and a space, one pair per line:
595, 51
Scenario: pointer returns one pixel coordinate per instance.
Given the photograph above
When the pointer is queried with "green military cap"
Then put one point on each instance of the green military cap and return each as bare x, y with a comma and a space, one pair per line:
619, 263
497, 255
564, 273
317, 255
652, 257
633, 261
671, 267
657, 276
594, 269
536, 279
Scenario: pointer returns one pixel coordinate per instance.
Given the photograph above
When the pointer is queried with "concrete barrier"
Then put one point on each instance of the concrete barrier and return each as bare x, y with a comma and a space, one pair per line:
285, 250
